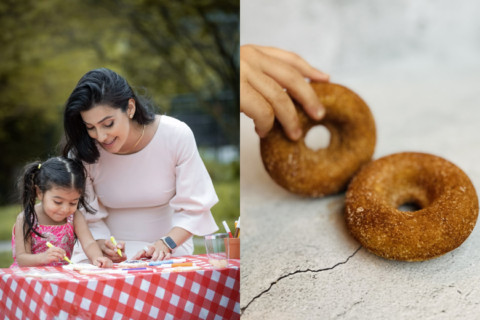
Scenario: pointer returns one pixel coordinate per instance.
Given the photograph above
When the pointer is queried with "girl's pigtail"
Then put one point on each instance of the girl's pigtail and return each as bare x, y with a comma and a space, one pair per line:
28, 194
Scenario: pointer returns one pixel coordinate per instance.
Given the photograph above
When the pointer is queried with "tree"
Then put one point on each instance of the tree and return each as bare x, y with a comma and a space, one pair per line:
169, 47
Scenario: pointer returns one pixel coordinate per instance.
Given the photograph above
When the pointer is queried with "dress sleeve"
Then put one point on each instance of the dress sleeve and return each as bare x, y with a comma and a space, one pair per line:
195, 195
95, 222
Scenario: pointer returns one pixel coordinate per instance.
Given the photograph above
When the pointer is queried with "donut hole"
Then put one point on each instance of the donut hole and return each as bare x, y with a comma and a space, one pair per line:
409, 207
318, 137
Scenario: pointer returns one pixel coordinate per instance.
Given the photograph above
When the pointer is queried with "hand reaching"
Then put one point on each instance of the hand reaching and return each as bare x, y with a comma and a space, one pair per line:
156, 252
264, 73
103, 262
51, 255
110, 250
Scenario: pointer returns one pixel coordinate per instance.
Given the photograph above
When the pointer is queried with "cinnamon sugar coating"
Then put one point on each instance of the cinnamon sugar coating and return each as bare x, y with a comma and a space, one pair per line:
446, 196
303, 171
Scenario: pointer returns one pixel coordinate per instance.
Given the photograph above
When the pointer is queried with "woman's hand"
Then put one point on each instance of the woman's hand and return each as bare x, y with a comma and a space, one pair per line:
156, 252
51, 255
102, 262
264, 73
110, 251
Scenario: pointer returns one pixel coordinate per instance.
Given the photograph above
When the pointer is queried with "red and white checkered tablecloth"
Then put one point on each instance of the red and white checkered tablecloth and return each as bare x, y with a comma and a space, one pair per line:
209, 293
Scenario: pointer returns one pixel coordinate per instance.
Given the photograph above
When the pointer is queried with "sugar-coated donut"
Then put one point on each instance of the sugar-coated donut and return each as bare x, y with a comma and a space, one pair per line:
446, 196
326, 171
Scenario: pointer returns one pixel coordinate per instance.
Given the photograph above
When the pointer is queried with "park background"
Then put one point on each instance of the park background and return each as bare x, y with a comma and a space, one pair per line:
184, 55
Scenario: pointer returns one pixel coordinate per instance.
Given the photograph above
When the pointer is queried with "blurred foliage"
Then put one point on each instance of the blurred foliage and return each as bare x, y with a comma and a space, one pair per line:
221, 172
169, 47
228, 206
6, 259
8, 216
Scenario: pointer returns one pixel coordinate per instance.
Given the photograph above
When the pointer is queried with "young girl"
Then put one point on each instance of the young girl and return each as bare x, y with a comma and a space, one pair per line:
59, 184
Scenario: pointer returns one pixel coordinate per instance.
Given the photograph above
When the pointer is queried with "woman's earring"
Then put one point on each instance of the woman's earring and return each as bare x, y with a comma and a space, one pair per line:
131, 116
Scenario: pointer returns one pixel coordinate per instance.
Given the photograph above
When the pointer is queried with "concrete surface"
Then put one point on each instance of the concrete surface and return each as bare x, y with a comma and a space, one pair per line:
298, 259
417, 65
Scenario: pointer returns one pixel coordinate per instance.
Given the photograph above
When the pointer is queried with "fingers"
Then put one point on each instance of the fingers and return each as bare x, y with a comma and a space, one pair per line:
110, 253
136, 256
139, 255
156, 254
296, 61
150, 250
110, 250
104, 262
113, 255
263, 99
121, 246
168, 256
56, 253
289, 78
264, 72
109, 245
55, 256
256, 108
58, 250
160, 255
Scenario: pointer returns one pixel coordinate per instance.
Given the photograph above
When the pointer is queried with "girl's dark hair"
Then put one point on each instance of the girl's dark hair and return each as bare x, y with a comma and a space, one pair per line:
98, 87
55, 172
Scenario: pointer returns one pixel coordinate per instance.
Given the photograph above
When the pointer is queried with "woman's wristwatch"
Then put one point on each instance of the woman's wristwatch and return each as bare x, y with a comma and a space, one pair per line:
169, 243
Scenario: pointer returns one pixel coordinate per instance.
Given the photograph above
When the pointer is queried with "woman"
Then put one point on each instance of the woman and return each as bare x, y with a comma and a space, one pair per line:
145, 177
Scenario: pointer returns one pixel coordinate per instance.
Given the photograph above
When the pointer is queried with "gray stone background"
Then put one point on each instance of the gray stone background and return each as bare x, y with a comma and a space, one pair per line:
417, 65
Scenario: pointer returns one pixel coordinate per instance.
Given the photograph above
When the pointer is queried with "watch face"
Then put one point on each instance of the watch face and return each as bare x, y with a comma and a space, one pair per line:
170, 242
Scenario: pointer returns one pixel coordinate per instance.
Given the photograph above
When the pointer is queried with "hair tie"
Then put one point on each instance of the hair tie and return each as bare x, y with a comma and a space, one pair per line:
39, 165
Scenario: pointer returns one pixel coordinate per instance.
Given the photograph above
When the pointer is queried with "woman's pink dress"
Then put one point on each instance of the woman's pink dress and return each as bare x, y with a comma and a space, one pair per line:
140, 197
61, 236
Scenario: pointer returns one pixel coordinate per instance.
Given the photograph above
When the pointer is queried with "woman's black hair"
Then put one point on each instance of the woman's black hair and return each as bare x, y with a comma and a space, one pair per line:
56, 172
98, 87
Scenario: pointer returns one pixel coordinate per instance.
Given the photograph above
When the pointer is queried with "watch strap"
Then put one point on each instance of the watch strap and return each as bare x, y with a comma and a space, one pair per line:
169, 243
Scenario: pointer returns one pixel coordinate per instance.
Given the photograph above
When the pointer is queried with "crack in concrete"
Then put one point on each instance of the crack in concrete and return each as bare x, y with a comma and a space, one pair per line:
291, 274
345, 312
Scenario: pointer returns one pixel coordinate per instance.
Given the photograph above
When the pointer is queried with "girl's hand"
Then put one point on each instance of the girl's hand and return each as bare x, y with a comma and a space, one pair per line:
264, 73
51, 255
103, 262
110, 251
159, 251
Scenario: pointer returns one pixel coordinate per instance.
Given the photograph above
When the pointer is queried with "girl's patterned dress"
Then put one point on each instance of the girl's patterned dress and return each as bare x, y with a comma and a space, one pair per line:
61, 236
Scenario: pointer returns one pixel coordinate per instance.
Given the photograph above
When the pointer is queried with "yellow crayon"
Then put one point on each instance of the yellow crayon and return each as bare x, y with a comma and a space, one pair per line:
52, 246
115, 244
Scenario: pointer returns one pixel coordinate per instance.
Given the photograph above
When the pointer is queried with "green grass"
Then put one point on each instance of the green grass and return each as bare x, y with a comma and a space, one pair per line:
228, 207
6, 259
199, 249
8, 215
